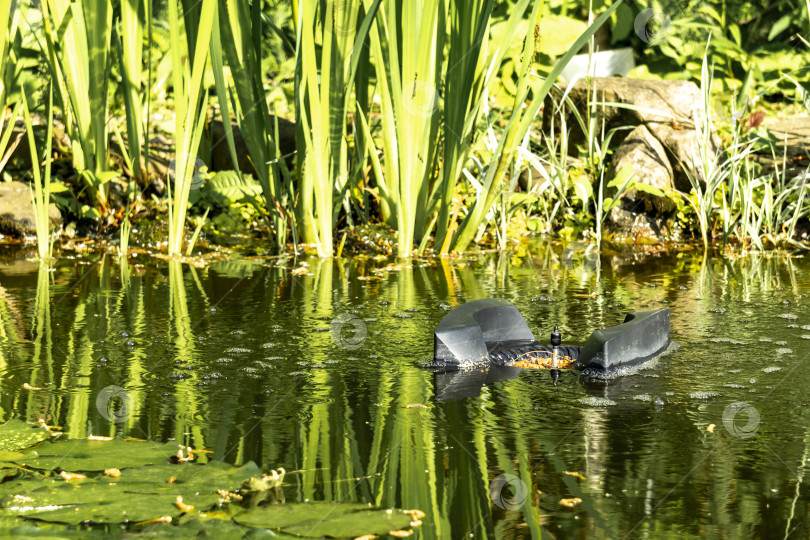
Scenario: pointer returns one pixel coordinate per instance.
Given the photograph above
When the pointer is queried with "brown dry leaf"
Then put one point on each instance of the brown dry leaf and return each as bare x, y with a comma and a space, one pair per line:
415, 514
182, 506
368, 278
115, 473
367, 537
162, 519
300, 271
570, 503
416, 406
710, 428
98, 438
69, 477
575, 474
27, 386
400, 534
172, 479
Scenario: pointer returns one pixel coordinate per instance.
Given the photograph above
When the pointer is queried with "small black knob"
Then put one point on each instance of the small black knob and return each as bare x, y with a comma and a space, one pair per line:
556, 339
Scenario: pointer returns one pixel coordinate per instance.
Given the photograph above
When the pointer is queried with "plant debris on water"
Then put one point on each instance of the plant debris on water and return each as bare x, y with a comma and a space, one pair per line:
142, 485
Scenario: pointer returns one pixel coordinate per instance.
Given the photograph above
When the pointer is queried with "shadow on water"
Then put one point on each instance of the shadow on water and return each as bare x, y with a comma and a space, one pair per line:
318, 374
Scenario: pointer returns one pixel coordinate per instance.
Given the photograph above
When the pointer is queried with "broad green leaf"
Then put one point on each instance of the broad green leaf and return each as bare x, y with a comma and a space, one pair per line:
558, 33
17, 435
188, 476
85, 455
316, 519
647, 188
99, 502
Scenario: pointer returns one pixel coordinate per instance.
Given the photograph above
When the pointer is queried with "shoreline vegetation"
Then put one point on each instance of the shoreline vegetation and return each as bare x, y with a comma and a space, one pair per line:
414, 127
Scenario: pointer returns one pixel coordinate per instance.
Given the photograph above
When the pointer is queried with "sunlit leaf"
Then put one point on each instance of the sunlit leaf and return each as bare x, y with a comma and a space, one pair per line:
17, 435
84, 455
325, 519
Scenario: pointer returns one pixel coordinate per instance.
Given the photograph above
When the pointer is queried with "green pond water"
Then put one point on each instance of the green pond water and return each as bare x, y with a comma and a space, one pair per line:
319, 374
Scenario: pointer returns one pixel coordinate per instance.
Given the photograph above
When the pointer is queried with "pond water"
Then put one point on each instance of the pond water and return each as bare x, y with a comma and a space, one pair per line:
319, 374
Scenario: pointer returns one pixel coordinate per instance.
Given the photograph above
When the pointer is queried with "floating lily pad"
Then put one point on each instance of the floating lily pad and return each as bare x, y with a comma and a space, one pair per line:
17, 435
188, 477
98, 502
85, 455
316, 519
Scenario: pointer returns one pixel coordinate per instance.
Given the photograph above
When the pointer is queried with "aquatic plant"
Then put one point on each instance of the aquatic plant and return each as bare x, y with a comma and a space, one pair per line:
325, 78
77, 37
189, 57
41, 191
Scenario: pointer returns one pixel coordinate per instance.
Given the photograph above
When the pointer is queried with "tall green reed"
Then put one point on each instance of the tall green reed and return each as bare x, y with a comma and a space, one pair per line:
189, 57
713, 169
407, 45
328, 47
519, 124
237, 39
41, 191
130, 33
78, 38
9, 53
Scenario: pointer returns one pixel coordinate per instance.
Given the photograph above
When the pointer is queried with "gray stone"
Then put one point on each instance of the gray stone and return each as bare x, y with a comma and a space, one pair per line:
667, 108
645, 155
221, 156
791, 149
17, 210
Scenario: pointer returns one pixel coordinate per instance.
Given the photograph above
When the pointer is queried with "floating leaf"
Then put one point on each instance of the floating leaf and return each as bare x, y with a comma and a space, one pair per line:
97, 502
17, 435
84, 455
325, 519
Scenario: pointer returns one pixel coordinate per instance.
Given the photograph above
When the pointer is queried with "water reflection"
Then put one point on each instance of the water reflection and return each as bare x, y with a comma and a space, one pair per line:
317, 373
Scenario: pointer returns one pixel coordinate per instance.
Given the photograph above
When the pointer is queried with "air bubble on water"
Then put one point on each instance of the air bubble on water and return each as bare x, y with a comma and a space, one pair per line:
274, 358
269, 345
403, 316
784, 350
237, 350
734, 370
771, 369
224, 360
703, 395
733, 385
594, 401
642, 397
782, 343
765, 340
727, 340
752, 380
298, 373
788, 316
